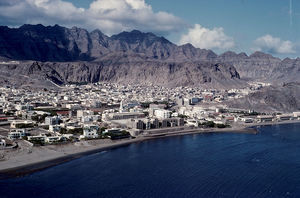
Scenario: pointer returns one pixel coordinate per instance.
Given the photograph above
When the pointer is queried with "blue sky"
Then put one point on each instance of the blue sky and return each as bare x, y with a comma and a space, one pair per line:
221, 25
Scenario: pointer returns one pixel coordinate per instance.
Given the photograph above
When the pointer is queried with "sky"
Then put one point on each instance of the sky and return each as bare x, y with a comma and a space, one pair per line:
271, 26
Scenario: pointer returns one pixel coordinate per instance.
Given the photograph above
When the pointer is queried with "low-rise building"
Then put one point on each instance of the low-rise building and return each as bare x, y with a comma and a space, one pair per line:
21, 124
52, 139
41, 138
296, 115
90, 118
54, 128
90, 132
16, 134
113, 130
192, 122
244, 119
265, 118
162, 114
156, 123
124, 116
284, 117
81, 113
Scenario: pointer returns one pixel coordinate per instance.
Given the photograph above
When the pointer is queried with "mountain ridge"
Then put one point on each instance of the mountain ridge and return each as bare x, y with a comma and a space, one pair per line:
75, 33
137, 52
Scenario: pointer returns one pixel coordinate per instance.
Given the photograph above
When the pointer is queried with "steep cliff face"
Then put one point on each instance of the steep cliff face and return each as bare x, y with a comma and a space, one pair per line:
77, 55
261, 66
40, 43
124, 70
284, 98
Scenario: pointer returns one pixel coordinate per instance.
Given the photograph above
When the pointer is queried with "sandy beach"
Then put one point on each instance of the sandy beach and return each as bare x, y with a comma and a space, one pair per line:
27, 159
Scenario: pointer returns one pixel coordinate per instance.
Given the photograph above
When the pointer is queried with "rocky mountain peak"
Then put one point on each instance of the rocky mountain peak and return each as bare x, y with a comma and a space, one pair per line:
137, 36
228, 54
259, 54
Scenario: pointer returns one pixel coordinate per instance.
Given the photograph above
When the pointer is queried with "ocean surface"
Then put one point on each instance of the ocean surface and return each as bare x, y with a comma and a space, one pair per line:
202, 165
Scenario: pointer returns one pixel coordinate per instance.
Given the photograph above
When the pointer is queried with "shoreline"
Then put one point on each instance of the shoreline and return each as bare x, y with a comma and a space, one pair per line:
63, 157
26, 169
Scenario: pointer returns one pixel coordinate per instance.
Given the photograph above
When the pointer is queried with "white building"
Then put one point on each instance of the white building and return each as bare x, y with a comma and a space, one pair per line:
296, 115
265, 118
17, 134
113, 130
90, 132
81, 113
52, 139
162, 113
2, 143
192, 122
55, 120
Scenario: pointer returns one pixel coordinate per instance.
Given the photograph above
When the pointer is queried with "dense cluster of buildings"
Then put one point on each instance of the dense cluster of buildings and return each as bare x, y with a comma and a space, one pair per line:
95, 110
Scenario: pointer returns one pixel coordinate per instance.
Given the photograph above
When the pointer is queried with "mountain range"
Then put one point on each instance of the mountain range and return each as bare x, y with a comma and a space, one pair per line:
74, 55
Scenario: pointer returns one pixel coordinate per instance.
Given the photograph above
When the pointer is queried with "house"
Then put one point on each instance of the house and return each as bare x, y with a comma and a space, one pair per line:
90, 132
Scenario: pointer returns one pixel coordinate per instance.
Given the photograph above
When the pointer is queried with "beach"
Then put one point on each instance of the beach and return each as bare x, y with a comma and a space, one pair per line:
27, 159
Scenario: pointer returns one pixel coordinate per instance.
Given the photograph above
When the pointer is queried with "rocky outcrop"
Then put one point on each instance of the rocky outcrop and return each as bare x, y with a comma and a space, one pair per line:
284, 98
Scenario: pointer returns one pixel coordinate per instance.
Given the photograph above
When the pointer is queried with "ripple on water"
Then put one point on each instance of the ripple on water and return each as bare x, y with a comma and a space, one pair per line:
205, 165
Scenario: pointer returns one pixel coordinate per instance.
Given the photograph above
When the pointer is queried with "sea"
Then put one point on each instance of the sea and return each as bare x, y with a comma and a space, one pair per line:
203, 165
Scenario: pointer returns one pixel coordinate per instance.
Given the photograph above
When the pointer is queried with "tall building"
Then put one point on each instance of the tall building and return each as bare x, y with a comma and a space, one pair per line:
180, 101
55, 120
121, 107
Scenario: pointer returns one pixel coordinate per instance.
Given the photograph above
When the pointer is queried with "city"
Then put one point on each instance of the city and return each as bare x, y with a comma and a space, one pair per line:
111, 111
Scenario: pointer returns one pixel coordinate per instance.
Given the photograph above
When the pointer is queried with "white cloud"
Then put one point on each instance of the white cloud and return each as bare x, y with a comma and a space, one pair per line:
274, 45
202, 37
110, 16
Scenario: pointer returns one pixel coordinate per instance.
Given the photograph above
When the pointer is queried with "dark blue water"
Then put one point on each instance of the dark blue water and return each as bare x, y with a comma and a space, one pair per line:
204, 165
